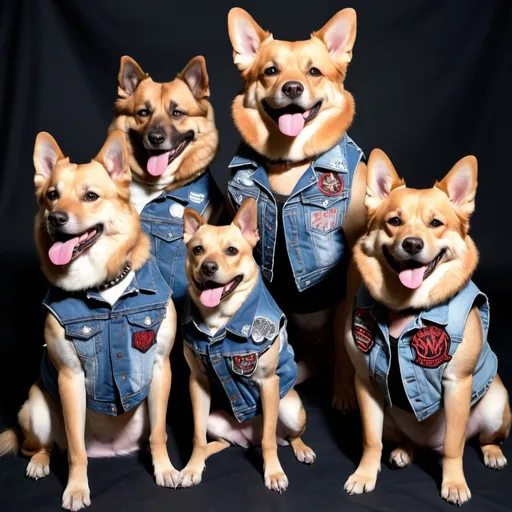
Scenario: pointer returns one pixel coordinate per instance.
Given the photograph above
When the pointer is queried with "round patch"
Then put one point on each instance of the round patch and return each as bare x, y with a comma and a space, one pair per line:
176, 210
431, 345
362, 328
331, 184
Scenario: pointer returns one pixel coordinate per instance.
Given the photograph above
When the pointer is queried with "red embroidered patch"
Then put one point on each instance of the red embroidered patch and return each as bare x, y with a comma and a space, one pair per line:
431, 345
330, 184
324, 220
245, 365
144, 340
362, 328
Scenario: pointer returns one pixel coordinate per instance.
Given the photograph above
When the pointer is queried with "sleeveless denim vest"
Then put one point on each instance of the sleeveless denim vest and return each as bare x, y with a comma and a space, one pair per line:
162, 220
425, 347
232, 355
116, 344
312, 216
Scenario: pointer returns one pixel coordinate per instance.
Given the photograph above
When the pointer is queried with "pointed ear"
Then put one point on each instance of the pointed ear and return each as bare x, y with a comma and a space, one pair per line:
192, 221
195, 76
339, 35
246, 37
130, 75
114, 157
246, 220
460, 185
46, 155
381, 179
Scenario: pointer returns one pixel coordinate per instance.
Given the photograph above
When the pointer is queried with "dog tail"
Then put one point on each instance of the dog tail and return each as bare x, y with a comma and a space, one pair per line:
9, 441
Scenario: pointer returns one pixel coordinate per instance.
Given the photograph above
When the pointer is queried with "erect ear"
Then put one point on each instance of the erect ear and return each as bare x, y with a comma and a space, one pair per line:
339, 35
246, 37
46, 155
195, 76
192, 221
246, 220
460, 185
381, 179
114, 156
130, 75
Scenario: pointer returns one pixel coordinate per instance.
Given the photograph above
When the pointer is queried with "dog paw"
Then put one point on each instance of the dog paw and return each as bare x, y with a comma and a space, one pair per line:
276, 481
305, 455
76, 497
191, 476
456, 492
38, 467
400, 457
493, 457
359, 483
167, 476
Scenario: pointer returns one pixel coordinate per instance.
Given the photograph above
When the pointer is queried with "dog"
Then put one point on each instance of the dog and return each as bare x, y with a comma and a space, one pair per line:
172, 139
425, 373
235, 344
110, 325
307, 176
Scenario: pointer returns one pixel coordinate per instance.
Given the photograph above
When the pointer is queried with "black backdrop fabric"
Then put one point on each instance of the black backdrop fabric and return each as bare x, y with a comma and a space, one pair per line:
432, 84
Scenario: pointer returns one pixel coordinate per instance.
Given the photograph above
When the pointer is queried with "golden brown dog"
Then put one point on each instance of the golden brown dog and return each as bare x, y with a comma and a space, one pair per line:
254, 360
441, 385
88, 236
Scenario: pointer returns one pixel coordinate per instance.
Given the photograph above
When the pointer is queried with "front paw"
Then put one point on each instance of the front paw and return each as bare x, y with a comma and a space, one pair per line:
359, 483
455, 491
191, 475
38, 467
167, 476
76, 496
276, 481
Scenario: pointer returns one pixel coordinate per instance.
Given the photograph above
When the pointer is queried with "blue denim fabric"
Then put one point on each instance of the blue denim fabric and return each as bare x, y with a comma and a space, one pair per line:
231, 356
423, 385
114, 343
312, 219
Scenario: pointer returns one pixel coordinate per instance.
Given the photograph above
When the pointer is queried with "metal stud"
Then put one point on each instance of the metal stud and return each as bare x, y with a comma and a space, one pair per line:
147, 320
86, 330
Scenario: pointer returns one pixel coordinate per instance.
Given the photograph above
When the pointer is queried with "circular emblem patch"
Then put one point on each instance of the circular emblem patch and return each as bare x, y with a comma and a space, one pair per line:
362, 328
431, 345
331, 184
176, 210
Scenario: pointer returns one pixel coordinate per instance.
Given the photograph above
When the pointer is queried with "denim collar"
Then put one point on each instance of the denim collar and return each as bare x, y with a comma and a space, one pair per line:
181, 194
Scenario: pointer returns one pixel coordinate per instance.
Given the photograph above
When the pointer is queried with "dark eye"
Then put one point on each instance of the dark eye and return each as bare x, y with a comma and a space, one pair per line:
143, 112
177, 113
271, 71
52, 195
314, 72
231, 251
91, 196
435, 223
198, 249
395, 221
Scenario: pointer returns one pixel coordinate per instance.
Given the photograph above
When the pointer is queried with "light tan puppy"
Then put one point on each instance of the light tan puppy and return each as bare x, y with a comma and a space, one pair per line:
416, 260
86, 232
225, 287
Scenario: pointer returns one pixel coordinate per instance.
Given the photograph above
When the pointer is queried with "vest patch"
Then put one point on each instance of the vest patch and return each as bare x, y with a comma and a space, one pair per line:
263, 329
330, 184
363, 330
431, 345
144, 340
324, 220
245, 365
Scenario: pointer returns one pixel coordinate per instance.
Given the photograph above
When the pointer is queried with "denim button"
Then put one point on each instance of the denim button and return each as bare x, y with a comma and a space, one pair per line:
113, 408
326, 202
147, 320
119, 355
86, 330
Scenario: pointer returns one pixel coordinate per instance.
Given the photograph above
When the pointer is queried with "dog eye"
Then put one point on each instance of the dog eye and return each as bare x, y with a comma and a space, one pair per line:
91, 196
231, 251
435, 223
52, 195
315, 72
271, 71
143, 112
395, 221
177, 113
198, 249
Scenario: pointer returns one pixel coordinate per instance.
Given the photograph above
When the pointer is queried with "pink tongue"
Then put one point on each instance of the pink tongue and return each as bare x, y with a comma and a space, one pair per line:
60, 253
412, 277
158, 164
211, 298
291, 124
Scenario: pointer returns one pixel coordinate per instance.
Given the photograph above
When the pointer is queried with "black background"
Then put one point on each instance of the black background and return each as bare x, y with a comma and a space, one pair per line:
432, 82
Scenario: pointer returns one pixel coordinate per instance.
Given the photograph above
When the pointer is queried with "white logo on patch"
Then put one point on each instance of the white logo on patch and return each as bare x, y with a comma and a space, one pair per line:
263, 329
245, 178
176, 210
195, 197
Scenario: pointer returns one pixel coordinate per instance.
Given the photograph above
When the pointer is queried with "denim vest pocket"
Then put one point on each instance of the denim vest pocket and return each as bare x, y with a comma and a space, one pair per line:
144, 328
323, 214
87, 337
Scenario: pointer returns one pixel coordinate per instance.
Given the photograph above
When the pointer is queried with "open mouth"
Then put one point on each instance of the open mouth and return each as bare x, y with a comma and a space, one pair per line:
292, 119
159, 160
68, 247
212, 293
412, 273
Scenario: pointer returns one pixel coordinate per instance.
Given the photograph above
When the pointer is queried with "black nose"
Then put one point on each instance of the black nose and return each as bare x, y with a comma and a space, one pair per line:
156, 138
413, 245
293, 89
58, 219
208, 268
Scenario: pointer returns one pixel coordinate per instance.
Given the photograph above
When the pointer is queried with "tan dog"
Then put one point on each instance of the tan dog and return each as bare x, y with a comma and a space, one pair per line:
89, 239
252, 365
292, 111
442, 387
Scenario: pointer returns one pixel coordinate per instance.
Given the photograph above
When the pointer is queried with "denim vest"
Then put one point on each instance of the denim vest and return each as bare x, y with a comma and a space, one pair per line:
162, 219
116, 344
231, 356
312, 216
425, 347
